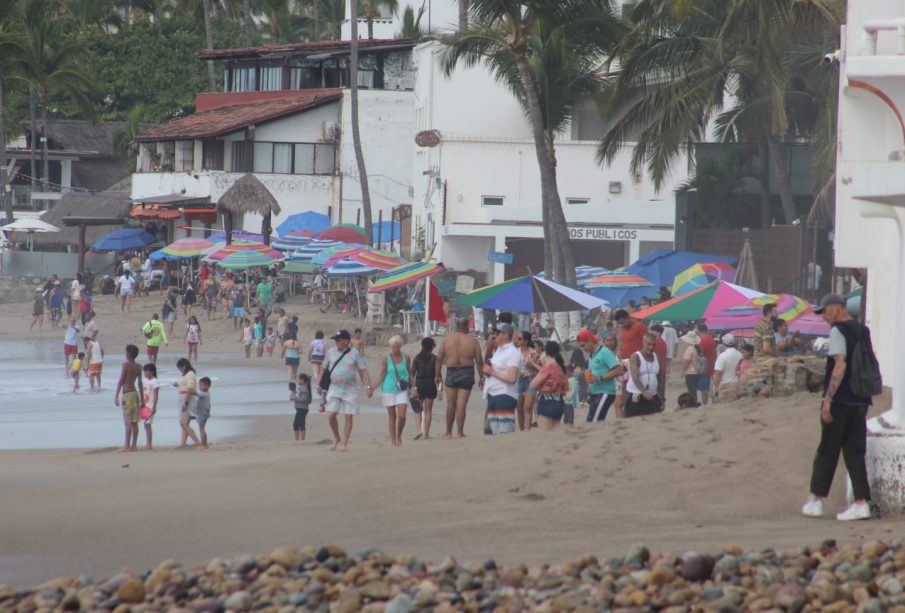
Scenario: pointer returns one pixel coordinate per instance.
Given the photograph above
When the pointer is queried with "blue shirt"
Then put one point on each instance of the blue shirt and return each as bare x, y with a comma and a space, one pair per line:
72, 334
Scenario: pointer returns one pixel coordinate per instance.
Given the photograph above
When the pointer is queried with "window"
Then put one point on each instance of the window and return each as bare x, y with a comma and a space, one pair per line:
578, 200
492, 200
185, 155
243, 79
282, 158
212, 155
271, 78
289, 158
242, 156
303, 77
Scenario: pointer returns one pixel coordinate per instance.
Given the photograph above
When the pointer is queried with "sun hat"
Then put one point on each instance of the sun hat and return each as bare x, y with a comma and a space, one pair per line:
691, 338
828, 300
728, 339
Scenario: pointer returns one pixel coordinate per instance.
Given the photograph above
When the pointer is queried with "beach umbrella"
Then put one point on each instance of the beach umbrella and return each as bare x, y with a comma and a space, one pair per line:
700, 303
618, 280
346, 268
328, 257
238, 236
405, 274
529, 295
699, 275
378, 259
311, 222
291, 242
300, 267
242, 260
794, 310
124, 239
345, 232
661, 266
188, 247
30, 226
221, 252
248, 195
583, 274
314, 247
385, 232
746, 274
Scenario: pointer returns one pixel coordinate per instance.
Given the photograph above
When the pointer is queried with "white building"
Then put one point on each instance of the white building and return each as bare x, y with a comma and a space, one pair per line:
870, 207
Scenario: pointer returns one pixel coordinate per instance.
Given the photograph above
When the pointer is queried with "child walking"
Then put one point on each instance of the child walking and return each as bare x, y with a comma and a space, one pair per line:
247, 337
151, 387
193, 337
203, 408
75, 370
300, 395
270, 341
259, 337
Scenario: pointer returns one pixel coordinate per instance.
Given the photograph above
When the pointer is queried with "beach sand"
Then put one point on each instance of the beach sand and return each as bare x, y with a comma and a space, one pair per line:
692, 480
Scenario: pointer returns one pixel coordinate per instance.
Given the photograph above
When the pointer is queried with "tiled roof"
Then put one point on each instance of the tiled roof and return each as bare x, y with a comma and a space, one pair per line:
228, 119
316, 46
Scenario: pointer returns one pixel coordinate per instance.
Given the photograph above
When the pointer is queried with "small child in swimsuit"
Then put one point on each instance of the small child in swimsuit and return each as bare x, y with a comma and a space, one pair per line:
270, 341
75, 370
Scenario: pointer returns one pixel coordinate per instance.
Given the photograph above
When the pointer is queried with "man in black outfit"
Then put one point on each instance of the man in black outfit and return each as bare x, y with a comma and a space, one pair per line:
843, 416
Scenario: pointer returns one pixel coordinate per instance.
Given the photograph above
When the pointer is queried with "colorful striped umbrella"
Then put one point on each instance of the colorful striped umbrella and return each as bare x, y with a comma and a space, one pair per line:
328, 257
791, 308
530, 295
699, 275
701, 303
345, 232
622, 280
188, 247
378, 259
313, 248
241, 260
291, 242
346, 268
221, 252
405, 274
583, 274
238, 236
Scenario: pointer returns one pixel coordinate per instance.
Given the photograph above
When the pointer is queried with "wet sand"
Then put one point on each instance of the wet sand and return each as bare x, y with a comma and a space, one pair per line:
692, 480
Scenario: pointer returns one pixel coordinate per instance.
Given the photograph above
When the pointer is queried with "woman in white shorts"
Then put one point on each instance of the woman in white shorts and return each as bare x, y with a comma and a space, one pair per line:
395, 386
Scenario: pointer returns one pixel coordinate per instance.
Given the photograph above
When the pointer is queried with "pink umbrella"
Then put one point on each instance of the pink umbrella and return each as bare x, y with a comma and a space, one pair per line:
790, 308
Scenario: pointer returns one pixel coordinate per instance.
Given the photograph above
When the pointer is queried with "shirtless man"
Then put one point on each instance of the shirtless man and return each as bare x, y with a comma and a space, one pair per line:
462, 354
130, 374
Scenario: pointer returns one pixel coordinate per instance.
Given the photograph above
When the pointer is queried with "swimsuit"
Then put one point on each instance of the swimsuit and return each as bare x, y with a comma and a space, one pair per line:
131, 403
460, 377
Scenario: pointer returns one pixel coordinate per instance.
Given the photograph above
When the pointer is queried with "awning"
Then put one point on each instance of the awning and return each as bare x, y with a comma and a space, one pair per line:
154, 211
206, 215
174, 200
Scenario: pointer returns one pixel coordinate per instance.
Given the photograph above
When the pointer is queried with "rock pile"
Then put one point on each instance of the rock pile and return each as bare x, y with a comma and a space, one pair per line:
778, 377
866, 579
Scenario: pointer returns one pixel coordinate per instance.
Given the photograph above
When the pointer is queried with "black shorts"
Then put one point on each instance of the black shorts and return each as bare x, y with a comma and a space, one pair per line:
426, 388
298, 424
642, 406
460, 377
599, 405
550, 406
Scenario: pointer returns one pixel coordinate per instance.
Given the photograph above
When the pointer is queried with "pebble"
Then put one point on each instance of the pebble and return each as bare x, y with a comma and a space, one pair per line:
238, 601
402, 603
131, 591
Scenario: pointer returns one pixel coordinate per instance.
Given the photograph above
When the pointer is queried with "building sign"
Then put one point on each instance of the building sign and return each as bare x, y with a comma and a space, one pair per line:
499, 257
603, 234
464, 284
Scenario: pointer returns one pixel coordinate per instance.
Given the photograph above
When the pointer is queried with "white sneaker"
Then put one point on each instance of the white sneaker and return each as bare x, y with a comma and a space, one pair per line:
813, 508
855, 511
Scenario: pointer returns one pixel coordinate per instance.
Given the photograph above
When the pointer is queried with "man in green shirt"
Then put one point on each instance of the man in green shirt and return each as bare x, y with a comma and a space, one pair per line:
604, 367
265, 295
155, 333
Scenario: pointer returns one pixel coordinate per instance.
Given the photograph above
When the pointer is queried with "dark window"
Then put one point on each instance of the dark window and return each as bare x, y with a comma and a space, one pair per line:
292, 158
243, 156
212, 155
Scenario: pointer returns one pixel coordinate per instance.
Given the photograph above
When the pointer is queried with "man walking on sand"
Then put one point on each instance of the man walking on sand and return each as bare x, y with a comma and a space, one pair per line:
129, 376
461, 353
843, 415
345, 365
604, 368
155, 333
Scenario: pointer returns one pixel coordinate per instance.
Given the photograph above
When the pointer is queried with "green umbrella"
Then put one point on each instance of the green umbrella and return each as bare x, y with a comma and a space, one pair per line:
300, 266
701, 303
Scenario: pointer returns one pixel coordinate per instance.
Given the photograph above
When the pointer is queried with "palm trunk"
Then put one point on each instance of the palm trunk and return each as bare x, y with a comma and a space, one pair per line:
563, 259
370, 12
5, 198
33, 116
45, 163
356, 134
316, 14
783, 180
247, 24
209, 34
548, 247
463, 17
764, 180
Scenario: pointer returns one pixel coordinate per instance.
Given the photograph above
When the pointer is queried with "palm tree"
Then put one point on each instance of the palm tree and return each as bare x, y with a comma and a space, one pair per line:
356, 133
247, 23
548, 54
54, 62
372, 7
684, 58
411, 24
463, 15
11, 57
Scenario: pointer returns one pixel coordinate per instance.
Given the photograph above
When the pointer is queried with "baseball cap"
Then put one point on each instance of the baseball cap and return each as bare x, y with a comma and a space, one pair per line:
728, 339
828, 300
586, 336
342, 334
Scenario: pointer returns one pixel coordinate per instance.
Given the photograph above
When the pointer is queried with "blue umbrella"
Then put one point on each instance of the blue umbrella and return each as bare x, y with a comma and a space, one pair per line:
123, 240
527, 295
386, 232
661, 266
584, 273
347, 268
291, 243
311, 221
307, 252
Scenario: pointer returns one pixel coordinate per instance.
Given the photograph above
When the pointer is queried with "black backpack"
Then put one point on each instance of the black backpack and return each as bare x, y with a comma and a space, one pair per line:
864, 379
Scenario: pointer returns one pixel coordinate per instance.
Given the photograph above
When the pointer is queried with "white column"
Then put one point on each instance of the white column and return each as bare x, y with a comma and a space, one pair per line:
65, 175
499, 270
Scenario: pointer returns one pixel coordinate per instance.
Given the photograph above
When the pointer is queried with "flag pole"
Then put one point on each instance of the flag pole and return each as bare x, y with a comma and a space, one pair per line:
543, 302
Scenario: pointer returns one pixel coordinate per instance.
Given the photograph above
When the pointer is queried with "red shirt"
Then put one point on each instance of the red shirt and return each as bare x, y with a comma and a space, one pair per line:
660, 352
630, 338
708, 348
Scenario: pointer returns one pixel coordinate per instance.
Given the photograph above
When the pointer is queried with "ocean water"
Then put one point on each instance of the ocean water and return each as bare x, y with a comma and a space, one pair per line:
38, 409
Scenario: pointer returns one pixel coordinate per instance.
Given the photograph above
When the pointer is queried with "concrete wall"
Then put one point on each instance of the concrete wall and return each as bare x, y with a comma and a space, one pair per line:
29, 264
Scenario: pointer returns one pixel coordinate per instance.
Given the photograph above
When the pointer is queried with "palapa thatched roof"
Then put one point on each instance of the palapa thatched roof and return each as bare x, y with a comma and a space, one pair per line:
248, 195
115, 202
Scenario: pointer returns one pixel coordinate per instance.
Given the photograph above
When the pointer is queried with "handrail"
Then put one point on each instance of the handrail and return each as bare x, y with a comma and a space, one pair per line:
872, 29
